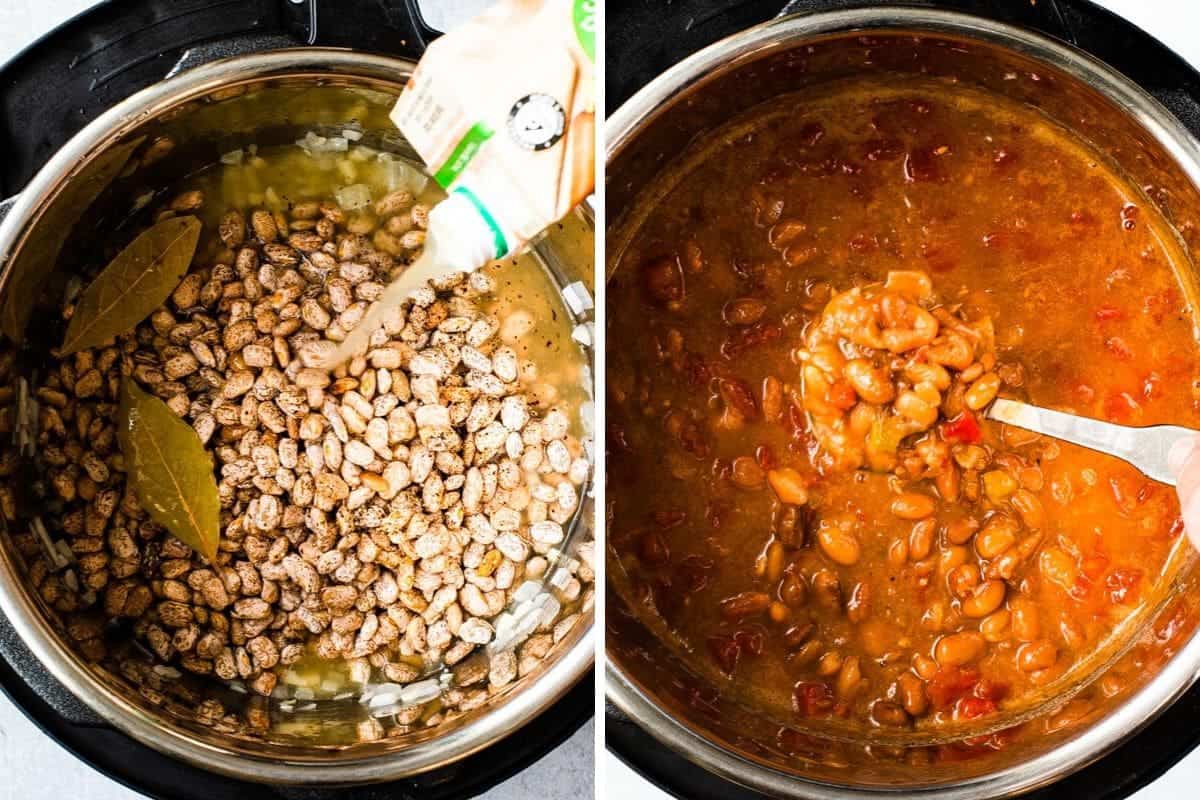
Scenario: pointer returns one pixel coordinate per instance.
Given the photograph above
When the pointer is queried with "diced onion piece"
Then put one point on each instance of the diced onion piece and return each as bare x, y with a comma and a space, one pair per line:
401, 174
233, 157
314, 144
354, 196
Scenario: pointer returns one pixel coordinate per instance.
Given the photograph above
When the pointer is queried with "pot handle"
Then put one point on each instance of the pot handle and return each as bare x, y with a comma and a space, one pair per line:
394, 27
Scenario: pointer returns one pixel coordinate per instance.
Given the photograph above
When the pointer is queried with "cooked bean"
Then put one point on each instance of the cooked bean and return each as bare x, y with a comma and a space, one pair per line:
887, 713
910, 690
998, 485
948, 483
962, 579
998, 535
774, 562
1030, 508
994, 627
808, 652
920, 539
911, 505
772, 399
952, 350
951, 557
793, 523
743, 311
1004, 566
918, 329
792, 590
920, 411
986, 598
933, 374
924, 666
960, 530
982, 391
971, 457
838, 543
872, 383
1028, 545
863, 418
957, 649
789, 485
1059, 568
934, 618
858, 607
1037, 655
972, 372
1072, 633
849, 679
827, 589
1025, 624
795, 636
829, 664
746, 473
744, 605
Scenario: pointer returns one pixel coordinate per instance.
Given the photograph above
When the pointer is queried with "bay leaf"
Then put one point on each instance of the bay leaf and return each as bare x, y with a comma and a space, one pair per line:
41, 250
137, 281
169, 470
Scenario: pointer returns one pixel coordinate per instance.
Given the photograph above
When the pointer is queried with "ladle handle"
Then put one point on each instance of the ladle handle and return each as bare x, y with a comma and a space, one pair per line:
1145, 448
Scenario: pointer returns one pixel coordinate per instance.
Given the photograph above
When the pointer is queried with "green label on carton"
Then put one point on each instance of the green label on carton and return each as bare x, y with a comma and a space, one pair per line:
463, 152
585, 26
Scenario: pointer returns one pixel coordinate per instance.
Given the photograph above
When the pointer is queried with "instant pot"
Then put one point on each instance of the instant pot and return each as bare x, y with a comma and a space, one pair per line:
745, 52
191, 56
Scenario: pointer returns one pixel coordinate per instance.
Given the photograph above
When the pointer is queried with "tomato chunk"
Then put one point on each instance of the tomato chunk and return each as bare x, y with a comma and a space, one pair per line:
949, 684
964, 428
972, 707
1122, 584
1117, 346
812, 698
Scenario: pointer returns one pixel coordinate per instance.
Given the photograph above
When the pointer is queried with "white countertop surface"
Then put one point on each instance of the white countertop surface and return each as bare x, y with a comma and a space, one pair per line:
34, 767
1176, 23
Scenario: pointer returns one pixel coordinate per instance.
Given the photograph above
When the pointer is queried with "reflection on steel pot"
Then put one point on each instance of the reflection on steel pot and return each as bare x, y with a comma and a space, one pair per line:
646, 678
123, 161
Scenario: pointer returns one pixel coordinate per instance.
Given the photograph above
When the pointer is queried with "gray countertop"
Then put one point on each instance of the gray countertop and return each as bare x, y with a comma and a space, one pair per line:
32, 766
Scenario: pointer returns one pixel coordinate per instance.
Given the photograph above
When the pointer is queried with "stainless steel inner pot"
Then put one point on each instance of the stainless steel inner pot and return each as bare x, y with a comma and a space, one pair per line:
265, 98
644, 678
